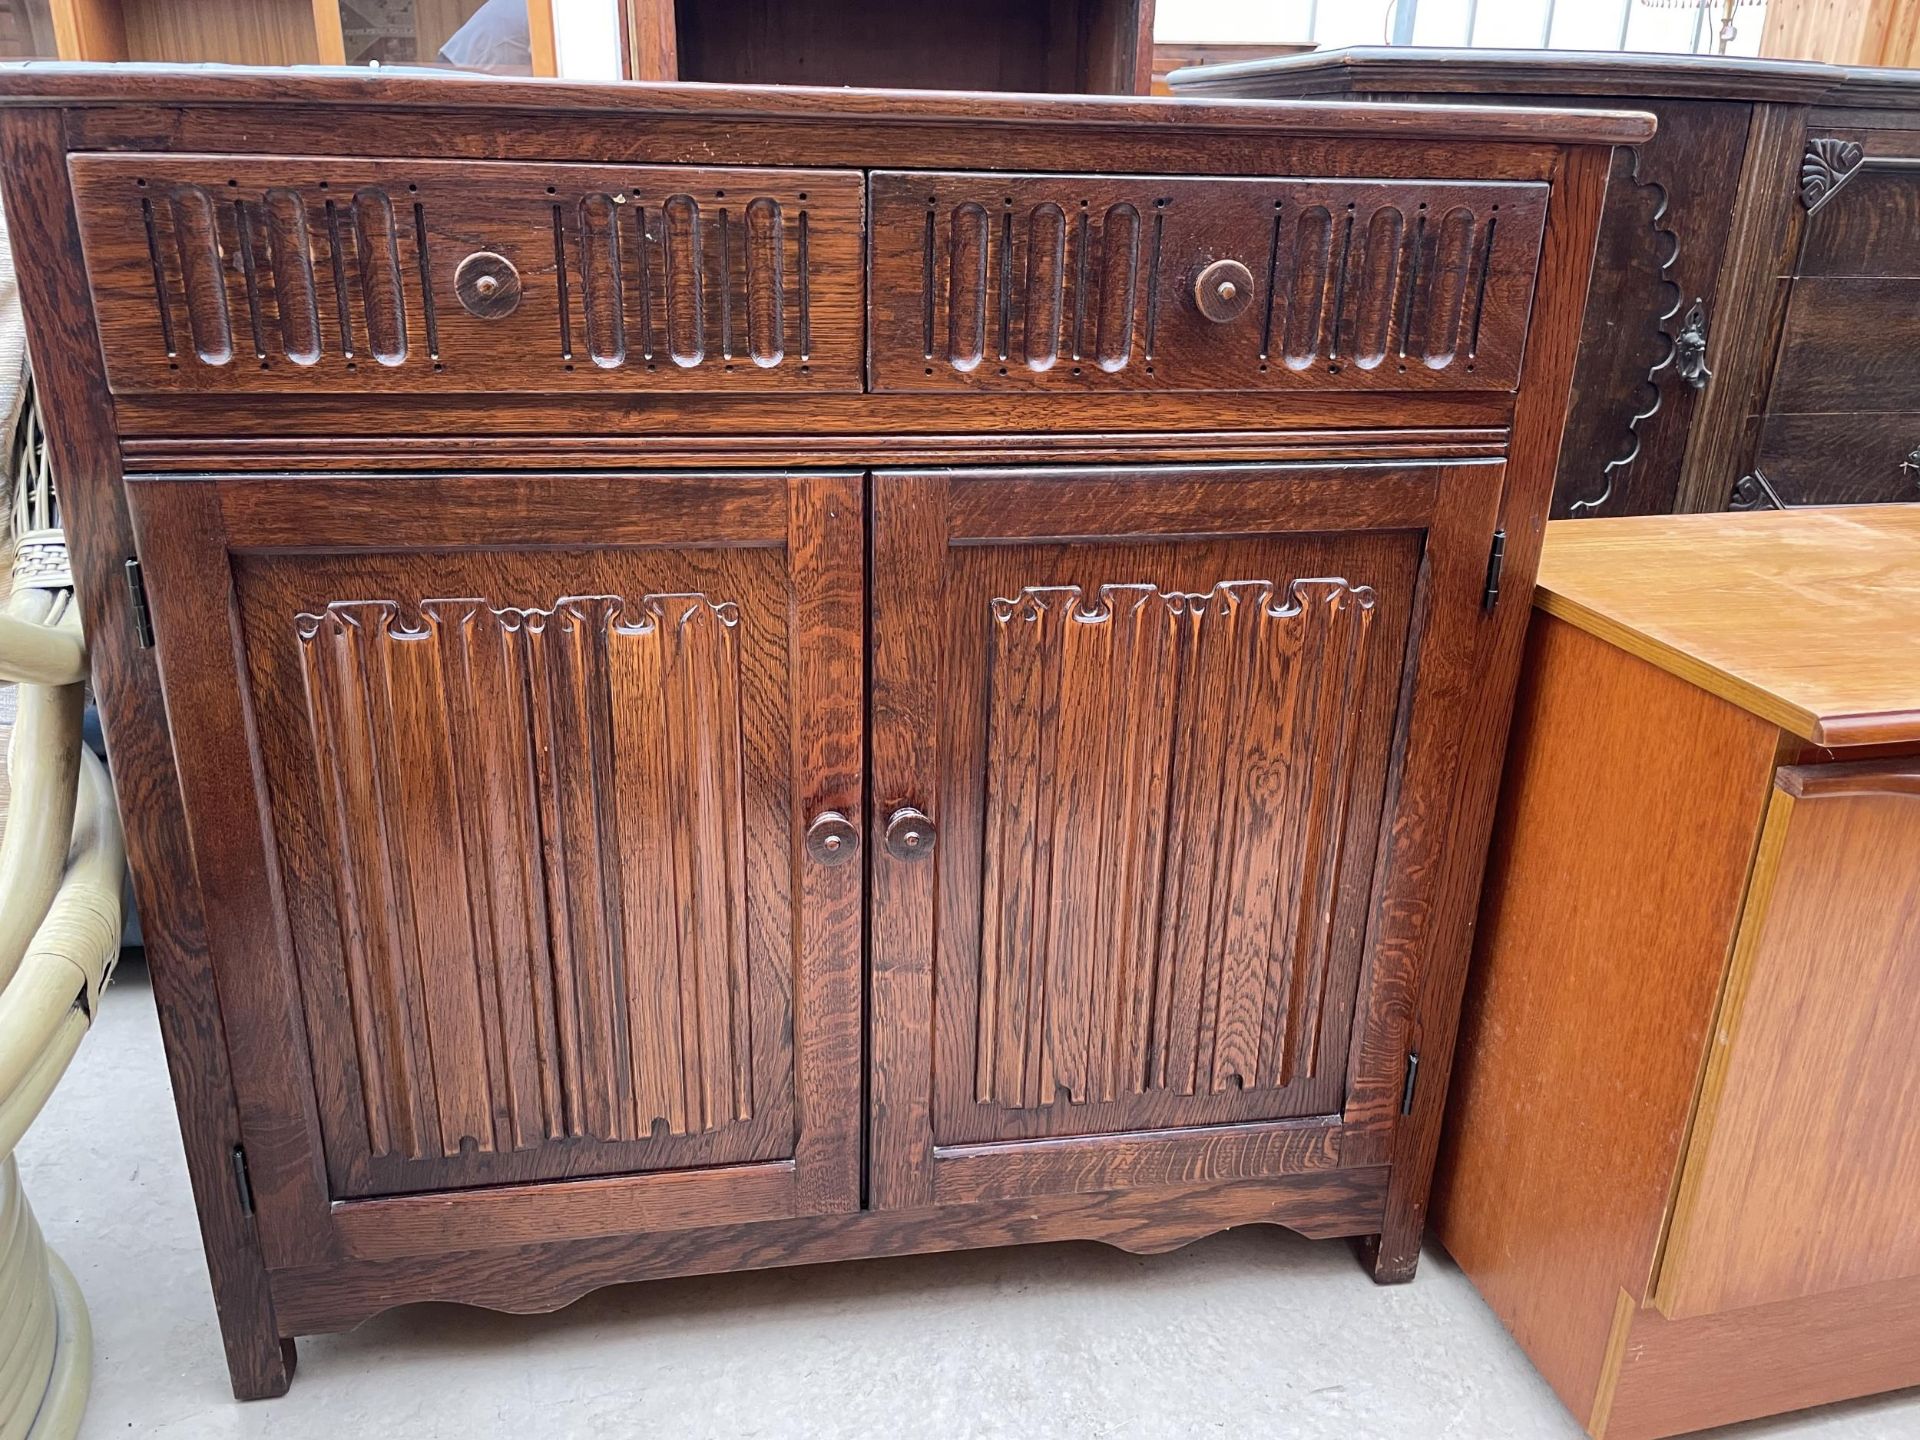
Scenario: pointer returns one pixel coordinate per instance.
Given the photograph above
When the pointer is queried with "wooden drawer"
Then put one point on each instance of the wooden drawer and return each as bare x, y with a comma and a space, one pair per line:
1843, 459
1078, 282
218, 273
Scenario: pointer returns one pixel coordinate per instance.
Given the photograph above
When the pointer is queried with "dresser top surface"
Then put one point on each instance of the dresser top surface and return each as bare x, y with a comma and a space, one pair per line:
1623, 76
42, 82
1807, 618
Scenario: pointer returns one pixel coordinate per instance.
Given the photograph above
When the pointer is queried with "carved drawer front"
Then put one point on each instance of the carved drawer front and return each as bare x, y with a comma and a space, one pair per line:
215, 273
1142, 282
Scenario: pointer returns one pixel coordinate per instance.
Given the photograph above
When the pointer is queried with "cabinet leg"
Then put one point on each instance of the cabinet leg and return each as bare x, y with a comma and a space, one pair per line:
1390, 1262
260, 1371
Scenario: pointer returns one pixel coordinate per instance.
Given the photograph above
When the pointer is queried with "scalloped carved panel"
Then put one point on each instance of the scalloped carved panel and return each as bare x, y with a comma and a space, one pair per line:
241, 273
1167, 789
537, 826
1022, 282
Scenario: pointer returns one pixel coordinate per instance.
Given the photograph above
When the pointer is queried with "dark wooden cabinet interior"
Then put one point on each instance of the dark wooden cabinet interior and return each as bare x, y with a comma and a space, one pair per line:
636, 772
1037, 46
1745, 342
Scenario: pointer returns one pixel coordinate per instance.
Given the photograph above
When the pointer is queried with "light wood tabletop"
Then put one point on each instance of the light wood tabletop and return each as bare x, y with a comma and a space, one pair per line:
1808, 618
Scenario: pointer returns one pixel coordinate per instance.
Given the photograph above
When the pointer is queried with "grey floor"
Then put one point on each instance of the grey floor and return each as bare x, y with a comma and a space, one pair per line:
1254, 1333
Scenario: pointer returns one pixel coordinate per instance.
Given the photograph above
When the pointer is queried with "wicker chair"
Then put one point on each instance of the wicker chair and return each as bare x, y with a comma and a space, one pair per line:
61, 863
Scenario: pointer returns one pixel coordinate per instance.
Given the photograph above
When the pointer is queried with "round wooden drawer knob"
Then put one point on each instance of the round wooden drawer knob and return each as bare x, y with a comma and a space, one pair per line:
487, 284
1223, 291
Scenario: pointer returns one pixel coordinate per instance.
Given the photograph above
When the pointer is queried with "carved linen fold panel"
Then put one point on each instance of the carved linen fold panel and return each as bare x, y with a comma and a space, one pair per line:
1186, 759
538, 833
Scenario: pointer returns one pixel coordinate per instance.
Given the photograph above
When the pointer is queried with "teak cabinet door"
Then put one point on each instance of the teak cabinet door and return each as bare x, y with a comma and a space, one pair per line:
500, 791
1141, 740
1801, 1164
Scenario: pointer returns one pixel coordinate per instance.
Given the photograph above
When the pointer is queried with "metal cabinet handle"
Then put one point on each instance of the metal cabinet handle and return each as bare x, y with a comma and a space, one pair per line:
1690, 348
832, 838
910, 834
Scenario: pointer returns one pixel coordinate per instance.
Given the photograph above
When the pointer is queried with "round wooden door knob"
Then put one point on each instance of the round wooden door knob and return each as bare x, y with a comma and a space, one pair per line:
1223, 291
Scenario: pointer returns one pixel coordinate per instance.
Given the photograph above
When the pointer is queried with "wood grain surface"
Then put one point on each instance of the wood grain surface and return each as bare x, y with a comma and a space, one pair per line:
187, 85
539, 1276
1619, 866
1805, 1155
1669, 212
78, 414
1474, 691
1783, 613
286, 273
1678, 1376
1424, 70
1088, 282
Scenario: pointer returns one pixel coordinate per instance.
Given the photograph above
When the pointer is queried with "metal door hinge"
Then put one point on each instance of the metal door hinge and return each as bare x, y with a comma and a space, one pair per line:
242, 1180
1496, 562
1412, 1080
137, 596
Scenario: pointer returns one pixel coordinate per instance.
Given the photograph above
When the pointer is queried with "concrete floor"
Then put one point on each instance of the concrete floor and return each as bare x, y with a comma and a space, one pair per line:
1255, 1333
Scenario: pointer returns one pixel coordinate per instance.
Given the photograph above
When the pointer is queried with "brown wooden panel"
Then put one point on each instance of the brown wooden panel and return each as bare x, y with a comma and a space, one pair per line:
544, 1275
966, 1174
79, 418
506, 1216
1089, 282
1619, 863
1848, 345
614, 997
1841, 459
1783, 613
449, 511
1148, 858
1765, 214
1871, 226
1160, 796
589, 451
1233, 500
1810, 1110
1670, 208
1678, 1376
707, 419
596, 985
302, 274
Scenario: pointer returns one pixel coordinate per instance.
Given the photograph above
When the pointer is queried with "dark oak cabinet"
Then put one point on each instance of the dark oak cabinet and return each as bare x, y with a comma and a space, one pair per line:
1746, 335
692, 696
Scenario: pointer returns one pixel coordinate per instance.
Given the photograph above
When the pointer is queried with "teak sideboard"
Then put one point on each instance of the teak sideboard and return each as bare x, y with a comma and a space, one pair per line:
1758, 267
1684, 1136
698, 681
